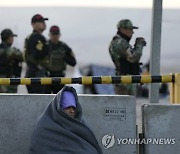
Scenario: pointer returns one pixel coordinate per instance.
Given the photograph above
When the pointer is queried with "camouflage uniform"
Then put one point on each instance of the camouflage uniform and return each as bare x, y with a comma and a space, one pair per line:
60, 54
10, 61
126, 57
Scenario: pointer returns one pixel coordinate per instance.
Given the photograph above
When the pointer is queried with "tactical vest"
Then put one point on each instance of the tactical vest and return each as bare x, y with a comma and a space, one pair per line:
3, 62
125, 67
56, 60
129, 68
9, 67
29, 58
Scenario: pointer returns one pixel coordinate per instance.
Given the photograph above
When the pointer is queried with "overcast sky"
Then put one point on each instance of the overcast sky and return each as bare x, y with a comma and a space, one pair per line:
89, 3
82, 27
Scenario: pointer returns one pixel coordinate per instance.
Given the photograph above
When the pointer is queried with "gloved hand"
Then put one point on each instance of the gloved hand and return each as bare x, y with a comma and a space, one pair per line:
140, 40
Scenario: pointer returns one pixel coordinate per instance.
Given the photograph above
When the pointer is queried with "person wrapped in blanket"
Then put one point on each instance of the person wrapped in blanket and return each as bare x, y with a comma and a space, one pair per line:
61, 130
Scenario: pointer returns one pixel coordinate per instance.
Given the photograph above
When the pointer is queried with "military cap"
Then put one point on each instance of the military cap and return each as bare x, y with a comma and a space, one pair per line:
38, 18
126, 23
54, 30
7, 33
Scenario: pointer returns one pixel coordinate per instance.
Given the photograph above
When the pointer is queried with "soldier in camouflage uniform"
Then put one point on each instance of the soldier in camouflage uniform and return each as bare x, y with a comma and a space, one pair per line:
60, 55
36, 53
124, 56
10, 60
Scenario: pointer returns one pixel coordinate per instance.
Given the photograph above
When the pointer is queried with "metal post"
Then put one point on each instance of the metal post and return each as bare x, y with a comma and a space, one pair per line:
155, 49
171, 90
177, 89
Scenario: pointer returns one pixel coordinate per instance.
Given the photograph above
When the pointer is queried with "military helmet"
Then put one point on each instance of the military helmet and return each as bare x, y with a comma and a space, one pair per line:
7, 33
126, 23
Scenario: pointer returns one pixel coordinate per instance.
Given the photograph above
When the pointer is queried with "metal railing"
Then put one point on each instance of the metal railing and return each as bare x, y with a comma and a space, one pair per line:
174, 79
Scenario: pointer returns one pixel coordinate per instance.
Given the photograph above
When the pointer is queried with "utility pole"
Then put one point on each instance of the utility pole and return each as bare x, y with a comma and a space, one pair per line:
155, 49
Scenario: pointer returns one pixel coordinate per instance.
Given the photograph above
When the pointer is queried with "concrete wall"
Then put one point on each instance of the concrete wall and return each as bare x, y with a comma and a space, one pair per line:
109, 116
161, 123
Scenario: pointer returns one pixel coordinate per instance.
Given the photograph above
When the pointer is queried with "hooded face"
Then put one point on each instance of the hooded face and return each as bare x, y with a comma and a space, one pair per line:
68, 103
70, 111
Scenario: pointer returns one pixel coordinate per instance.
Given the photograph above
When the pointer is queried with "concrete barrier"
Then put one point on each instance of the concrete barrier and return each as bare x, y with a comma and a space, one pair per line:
161, 128
109, 116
